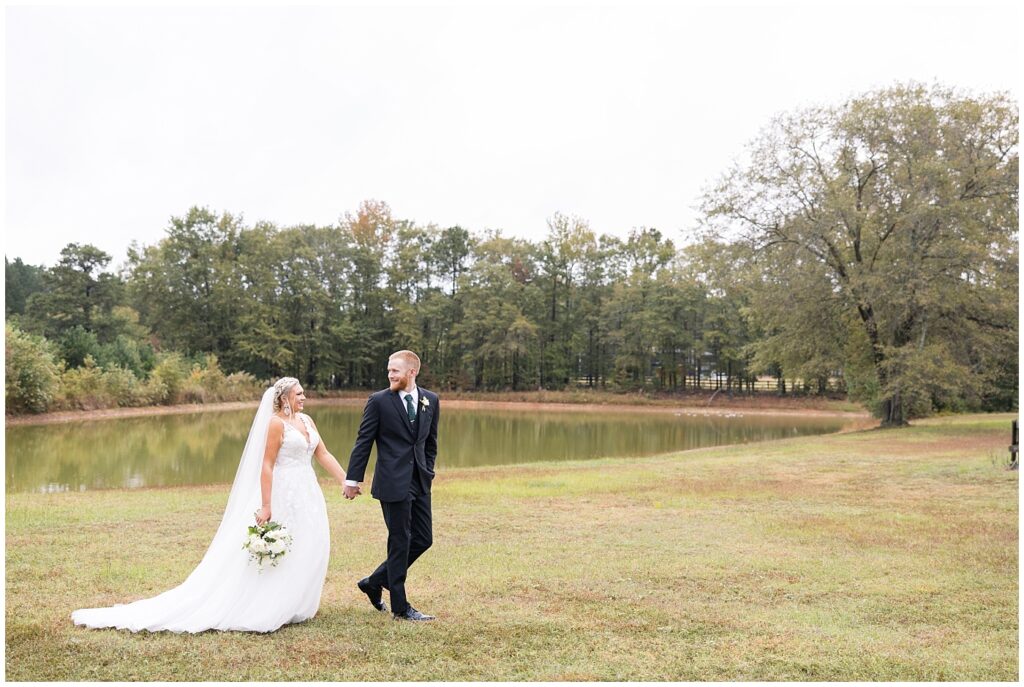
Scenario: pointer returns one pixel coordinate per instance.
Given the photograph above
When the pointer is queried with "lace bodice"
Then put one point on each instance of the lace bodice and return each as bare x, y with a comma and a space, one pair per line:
295, 450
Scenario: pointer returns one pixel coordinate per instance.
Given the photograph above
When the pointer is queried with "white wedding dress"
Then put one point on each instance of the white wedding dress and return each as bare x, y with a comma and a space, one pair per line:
226, 591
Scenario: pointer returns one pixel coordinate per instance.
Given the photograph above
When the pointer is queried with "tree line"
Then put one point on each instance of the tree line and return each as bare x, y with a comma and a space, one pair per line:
328, 304
869, 247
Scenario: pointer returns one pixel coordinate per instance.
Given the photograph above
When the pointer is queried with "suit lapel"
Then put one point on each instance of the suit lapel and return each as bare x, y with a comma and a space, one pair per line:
403, 414
422, 417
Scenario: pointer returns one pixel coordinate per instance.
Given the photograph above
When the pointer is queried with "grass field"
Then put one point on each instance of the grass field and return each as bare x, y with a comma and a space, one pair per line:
877, 555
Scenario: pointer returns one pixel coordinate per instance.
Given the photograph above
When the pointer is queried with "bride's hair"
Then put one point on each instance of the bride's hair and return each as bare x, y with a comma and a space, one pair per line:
281, 389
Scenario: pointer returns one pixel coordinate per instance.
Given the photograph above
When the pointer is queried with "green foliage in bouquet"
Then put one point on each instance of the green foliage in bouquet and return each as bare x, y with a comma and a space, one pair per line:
268, 542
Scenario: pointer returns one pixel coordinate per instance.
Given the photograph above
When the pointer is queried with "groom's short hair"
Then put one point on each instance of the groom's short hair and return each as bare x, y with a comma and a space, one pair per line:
409, 357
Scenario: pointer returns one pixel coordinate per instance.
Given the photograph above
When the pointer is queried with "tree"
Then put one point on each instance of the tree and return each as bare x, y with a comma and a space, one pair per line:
637, 328
21, 282
408, 280
497, 336
263, 345
187, 288
440, 309
450, 255
561, 258
682, 304
371, 231
803, 327
76, 291
900, 208
598, 272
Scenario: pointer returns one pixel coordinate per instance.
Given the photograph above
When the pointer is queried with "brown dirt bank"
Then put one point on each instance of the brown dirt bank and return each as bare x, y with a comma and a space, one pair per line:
746, 406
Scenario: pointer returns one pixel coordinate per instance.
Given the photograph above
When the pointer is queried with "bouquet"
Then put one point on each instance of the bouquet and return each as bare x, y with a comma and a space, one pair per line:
268, 542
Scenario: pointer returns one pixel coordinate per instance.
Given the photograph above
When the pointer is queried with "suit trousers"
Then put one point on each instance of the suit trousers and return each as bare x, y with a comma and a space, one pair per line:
410, 533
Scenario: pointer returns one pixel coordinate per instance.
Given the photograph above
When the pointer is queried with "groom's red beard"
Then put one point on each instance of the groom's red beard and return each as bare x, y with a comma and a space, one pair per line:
400, 384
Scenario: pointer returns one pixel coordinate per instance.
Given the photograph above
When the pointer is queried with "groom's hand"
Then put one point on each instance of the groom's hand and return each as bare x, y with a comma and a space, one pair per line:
352, 492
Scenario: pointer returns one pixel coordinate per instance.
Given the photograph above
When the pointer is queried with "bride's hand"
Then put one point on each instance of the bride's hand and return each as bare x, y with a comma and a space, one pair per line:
263, 515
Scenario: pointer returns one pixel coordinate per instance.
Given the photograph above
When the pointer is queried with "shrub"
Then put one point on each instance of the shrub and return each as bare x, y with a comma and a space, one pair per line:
82, 388
207, 383
90, 387
154, 391
32, 372
242, 386
77, 344
122, 387
123, 352
37, 382
168, 377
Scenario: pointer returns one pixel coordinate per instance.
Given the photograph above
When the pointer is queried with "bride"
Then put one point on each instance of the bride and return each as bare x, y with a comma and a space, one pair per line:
275, 480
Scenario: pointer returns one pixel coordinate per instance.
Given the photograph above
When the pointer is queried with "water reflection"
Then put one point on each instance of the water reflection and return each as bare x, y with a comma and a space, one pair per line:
203, 448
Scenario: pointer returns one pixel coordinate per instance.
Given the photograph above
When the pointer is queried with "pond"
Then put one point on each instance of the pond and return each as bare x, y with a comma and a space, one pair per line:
204, 447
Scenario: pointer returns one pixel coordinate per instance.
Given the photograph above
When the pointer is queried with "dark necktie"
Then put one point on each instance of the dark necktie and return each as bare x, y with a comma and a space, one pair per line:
410, 407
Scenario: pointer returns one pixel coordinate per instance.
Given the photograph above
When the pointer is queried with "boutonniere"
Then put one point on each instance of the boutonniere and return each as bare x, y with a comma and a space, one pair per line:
425, 402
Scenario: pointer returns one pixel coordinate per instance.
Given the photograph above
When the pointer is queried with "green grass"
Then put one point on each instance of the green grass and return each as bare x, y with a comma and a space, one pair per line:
878, 555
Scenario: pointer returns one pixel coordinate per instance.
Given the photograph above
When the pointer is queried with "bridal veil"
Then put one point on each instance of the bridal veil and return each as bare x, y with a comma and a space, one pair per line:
223, 583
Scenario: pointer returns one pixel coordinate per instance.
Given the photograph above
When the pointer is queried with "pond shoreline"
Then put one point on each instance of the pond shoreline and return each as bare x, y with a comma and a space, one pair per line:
663, 406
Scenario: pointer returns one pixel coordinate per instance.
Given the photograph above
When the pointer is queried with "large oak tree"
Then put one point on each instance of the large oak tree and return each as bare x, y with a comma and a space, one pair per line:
898, 212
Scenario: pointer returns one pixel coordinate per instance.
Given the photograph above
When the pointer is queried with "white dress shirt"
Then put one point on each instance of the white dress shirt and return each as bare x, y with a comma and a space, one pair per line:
415, 398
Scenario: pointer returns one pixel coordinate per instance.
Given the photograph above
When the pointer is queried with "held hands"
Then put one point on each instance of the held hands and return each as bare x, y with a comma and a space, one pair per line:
263, 515
352, 492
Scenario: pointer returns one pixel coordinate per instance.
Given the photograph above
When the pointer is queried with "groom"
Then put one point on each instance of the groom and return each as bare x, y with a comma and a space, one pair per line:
402, 419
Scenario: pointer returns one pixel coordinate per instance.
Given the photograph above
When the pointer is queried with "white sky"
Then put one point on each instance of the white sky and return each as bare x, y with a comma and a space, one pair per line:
488, 117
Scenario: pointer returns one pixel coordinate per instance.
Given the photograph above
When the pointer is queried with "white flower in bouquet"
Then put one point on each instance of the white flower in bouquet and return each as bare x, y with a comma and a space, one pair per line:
267, 543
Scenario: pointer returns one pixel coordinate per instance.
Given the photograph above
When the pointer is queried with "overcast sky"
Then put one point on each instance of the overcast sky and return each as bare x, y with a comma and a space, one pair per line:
119, 118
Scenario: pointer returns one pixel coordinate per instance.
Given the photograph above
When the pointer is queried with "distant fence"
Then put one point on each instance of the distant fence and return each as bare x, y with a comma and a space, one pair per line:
737, 385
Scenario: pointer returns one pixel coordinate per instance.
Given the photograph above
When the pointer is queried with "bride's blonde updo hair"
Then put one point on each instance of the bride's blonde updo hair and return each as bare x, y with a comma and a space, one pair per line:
281, 389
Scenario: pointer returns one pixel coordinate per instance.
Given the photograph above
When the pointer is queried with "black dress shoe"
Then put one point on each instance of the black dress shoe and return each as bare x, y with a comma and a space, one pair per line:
413, 615
373, 593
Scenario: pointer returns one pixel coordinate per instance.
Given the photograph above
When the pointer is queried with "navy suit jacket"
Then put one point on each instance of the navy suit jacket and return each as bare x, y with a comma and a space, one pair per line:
399, 443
